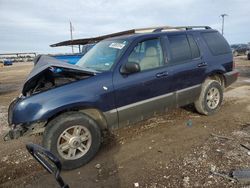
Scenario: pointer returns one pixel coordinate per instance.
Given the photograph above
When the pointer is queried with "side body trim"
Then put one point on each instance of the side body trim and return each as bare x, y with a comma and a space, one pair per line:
128, 113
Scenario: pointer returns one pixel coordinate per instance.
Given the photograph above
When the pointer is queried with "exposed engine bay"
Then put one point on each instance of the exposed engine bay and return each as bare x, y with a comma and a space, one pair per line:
49, 73
51, 78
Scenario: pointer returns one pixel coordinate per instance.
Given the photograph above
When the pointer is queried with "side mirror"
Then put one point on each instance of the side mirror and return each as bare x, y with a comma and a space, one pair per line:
49, 161
130, 67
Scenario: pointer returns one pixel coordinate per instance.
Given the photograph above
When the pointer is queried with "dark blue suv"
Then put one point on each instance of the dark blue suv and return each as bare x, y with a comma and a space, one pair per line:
120, 81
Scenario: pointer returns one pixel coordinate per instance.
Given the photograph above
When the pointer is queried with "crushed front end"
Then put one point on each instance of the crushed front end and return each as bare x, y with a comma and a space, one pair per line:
28, 113
15, 130
22, 129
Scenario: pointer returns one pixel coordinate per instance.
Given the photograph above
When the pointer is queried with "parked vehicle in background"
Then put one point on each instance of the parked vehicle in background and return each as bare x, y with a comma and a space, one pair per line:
7, 62
248, 55
240, 49
73, 58
68, 58
120, 81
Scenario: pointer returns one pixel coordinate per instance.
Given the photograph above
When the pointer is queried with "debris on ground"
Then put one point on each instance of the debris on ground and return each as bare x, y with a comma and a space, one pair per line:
220, 136
224, 176
98, 166
136, 184
242, 176
189, 123
246, 147
186, 181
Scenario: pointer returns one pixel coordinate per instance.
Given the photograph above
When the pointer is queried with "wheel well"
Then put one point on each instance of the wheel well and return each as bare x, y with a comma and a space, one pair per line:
96, 115
218, 77
93, 113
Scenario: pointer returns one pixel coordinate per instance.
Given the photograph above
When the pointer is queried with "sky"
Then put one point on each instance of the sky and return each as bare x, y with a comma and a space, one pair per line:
31, 26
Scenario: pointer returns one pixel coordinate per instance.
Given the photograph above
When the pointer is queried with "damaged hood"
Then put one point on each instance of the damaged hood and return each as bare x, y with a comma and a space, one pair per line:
43, 63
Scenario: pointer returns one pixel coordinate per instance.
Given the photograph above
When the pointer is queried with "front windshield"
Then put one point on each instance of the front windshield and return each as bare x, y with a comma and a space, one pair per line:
103, 55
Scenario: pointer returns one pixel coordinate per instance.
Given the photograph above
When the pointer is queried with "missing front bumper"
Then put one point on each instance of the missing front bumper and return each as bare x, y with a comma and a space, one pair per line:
20, 130
14, 134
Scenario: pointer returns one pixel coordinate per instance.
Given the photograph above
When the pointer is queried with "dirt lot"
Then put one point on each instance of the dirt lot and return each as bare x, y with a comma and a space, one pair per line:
165, 151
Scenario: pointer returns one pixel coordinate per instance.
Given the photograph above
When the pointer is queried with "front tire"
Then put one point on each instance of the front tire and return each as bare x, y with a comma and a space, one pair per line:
73, 137
210, 98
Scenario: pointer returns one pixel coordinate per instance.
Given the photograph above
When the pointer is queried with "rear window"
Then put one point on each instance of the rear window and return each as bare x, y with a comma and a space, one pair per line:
179, 48
216, 43
194, 48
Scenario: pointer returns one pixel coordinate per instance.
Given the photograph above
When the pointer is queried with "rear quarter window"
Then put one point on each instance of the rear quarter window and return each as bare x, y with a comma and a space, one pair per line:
216, 43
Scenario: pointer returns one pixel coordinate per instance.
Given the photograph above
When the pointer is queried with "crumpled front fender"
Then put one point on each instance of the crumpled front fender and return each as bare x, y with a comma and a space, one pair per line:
42, 106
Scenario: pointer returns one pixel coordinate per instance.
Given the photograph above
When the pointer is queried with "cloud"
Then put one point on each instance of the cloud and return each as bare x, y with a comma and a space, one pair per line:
33, 25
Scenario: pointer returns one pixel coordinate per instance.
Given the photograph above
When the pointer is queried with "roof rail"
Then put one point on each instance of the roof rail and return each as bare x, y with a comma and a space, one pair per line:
160, 29
127, 32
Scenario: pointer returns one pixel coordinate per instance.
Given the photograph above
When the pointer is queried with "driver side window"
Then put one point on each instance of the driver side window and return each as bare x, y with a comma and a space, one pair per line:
148, 54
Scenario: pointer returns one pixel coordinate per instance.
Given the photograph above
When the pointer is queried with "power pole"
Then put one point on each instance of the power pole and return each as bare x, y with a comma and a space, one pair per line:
222, 28
71, 35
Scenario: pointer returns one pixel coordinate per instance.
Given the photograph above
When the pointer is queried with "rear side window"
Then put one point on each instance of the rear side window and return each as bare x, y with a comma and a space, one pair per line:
194, 48
216, 43
179, 48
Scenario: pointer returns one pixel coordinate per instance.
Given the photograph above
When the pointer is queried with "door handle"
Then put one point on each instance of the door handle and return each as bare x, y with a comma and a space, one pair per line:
161, 74
202, 64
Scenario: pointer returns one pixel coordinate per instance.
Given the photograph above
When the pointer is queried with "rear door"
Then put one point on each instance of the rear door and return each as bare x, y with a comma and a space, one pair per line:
187, 66
140, 95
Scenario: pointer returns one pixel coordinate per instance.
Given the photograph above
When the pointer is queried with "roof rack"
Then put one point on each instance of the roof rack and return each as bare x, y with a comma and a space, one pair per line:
168, 28
127, 32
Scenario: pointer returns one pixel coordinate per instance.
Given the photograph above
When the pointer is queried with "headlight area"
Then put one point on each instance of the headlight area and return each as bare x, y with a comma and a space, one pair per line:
20, 130
10, 110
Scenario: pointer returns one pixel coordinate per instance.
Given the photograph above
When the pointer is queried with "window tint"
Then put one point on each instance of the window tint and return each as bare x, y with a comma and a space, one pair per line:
216, 43
194, 48
148, 54
179, 48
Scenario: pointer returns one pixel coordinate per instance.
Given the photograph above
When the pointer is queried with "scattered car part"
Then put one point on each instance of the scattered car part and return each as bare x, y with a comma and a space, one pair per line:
242, 175
246, 147
49, 161
224, 176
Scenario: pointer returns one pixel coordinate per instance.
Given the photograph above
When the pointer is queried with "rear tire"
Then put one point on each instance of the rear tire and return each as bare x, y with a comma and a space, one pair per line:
210, 98
74, 138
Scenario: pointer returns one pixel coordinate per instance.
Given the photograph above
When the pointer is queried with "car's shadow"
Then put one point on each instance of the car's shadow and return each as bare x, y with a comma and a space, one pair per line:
190, 108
